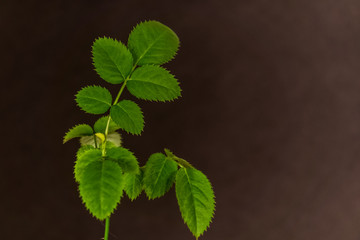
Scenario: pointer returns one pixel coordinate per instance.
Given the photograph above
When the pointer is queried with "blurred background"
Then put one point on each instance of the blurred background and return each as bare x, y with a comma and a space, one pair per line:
270, 113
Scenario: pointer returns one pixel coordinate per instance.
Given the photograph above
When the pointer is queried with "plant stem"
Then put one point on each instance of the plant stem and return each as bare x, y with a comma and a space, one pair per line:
107, 221
120, 92
108, 122
107, 227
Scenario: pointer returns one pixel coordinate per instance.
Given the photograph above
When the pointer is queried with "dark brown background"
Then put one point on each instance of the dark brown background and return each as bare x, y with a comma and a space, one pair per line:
270, 112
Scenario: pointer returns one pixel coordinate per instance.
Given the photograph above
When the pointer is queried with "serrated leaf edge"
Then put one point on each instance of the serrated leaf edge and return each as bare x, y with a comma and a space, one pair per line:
213, 212
143, 120
117, 41
146, 21
91, 86
157, 100
66, 140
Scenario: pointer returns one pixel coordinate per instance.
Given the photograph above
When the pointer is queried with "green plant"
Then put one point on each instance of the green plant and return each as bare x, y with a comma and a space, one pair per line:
103, 168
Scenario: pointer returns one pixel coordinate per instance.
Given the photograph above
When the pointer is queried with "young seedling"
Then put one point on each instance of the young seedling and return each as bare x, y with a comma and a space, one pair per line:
103, 168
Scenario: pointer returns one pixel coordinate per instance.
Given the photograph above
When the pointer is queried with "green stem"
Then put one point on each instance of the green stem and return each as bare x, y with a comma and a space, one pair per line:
108, 122
107, 227
120, 92
95, 142
180, 161
107, 221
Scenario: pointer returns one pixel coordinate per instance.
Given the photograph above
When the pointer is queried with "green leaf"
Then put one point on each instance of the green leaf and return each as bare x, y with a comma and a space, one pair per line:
90, 140
159, 175
78, 131
100, 125
82, 150
94, 99
114, 138
152, 82
85, 158
101, 187
133, 184
126, 159
112, 60
152, 43
196, 199
128, 116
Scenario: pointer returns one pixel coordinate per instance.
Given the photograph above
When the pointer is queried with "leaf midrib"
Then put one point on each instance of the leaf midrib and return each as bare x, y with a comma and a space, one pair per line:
99, 100
150, 46
112, 60
131, 120
101, 187
157, 179
153, 83
193, 200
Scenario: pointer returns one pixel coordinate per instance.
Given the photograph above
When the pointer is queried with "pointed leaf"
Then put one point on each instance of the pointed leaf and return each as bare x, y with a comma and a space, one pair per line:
94, 99
152, 82
152, 43
128, 116
126, 159
85, 158
112, 60
100, 125
159, 175
101, 187
78, 131
195, 198
133, 184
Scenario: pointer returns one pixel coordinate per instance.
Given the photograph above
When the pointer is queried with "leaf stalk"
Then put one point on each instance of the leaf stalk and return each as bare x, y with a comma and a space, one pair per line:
107, 227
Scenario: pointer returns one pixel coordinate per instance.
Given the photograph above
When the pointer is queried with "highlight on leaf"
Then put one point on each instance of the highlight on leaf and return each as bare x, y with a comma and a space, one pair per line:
126, 159
101, 187
159, 175
155, 83
112, 60
128, 116
78, 131
152, 42
94, 99
195, 198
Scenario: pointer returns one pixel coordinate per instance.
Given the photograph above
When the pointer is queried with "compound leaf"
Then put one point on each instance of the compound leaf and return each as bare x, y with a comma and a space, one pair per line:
151, 82
159, 175
152, 43
128, 116
85, 157
112, 60
100, 125
195, 198
126, 159
78, 131
94, 99
133, 184
101, 186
